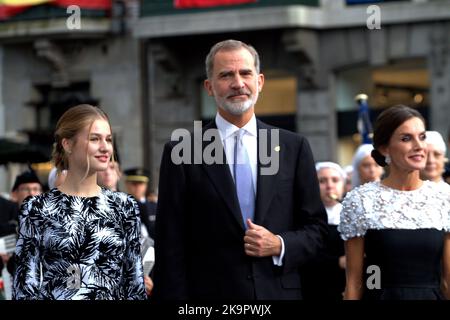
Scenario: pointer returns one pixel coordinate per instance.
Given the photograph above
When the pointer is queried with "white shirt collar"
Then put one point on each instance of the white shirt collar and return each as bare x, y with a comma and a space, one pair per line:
227, 129
334, 214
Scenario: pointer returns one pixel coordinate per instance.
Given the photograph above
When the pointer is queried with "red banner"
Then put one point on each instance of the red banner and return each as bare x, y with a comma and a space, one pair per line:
85, 4
186, 4
7, 11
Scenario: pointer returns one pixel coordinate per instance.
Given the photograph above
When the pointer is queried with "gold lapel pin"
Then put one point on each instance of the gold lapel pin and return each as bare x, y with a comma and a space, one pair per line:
277, 148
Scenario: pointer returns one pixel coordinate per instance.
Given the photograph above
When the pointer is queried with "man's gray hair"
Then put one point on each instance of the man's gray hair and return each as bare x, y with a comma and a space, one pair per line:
229, 45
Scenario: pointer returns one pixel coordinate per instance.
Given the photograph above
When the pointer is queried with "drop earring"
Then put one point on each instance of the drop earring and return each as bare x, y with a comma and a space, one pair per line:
387, 160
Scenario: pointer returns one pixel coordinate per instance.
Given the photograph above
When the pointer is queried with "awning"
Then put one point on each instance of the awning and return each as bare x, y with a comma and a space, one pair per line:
184, 4
16, 152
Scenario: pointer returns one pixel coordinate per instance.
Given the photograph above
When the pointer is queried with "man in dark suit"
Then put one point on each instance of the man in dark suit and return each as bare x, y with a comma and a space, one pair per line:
26, 184
8, 223
8, 217
238, 229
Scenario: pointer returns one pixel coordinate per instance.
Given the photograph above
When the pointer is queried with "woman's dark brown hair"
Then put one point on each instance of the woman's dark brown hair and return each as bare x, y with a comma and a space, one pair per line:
385, 125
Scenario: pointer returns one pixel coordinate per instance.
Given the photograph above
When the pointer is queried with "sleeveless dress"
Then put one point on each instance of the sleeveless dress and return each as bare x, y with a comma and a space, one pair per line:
403, 238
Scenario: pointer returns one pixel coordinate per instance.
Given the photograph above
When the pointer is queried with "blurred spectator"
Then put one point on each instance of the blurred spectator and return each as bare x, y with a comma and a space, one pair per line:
152, 196
109, 178
446, 174
56, 178
436, 159
348, 180
365, 169
8, 217
136, 183
8, 224
324, 277
26, 184
448, 137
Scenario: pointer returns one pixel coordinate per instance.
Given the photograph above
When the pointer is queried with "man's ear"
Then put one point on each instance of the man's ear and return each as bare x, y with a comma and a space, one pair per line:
208, 86
260, 81
13, 196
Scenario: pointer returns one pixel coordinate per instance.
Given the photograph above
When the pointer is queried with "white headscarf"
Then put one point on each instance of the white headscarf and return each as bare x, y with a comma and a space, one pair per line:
52, 176
332, 165
435, 138
333, 212
363, 151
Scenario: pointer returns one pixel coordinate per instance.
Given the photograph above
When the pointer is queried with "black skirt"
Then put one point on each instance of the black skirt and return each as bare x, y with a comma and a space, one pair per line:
403, 264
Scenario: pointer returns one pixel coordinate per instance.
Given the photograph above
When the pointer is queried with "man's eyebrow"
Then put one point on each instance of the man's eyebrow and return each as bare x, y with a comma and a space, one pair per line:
226, 72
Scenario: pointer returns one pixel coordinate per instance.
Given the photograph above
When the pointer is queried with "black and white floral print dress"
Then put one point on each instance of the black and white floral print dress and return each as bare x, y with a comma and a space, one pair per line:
79, 248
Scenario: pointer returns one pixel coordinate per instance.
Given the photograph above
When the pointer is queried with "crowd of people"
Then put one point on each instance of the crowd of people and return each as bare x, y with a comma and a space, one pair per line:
378, 229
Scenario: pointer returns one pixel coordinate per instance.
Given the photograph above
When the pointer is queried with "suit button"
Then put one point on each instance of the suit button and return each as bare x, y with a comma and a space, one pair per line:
249, 277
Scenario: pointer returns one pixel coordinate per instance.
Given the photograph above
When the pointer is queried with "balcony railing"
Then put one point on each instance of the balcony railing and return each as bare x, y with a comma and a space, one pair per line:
45, 12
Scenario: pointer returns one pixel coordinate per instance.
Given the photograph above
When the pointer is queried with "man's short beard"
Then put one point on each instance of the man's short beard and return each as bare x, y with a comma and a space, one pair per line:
235, 108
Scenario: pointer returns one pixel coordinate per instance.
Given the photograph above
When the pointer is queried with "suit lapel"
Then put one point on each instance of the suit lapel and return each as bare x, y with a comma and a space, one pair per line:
222, 180
267, 184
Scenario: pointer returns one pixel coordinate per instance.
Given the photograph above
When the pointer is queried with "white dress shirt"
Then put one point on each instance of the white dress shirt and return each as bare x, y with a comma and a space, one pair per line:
334, 214
144, 231
227, 133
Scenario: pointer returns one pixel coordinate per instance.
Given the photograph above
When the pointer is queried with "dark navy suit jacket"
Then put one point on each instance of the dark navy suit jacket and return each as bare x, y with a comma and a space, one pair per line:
199, 241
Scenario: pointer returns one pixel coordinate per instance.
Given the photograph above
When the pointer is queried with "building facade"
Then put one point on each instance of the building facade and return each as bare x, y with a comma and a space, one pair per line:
147, 72
316, 56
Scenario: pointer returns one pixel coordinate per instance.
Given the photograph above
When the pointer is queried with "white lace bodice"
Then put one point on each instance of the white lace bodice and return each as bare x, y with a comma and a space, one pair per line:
375, 206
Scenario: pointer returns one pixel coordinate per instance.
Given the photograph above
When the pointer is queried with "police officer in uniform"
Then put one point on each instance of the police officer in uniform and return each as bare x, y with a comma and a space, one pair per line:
136, 184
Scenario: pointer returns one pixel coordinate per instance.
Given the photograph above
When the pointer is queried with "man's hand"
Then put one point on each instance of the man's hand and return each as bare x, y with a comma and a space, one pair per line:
260, 242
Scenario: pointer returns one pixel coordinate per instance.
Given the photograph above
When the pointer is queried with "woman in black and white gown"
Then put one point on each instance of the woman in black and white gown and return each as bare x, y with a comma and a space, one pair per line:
80, 241
397, 231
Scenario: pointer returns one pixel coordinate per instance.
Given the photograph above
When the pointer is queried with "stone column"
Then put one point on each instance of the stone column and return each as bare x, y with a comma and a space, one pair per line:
3, 177
439, 62
316, 119
316, 114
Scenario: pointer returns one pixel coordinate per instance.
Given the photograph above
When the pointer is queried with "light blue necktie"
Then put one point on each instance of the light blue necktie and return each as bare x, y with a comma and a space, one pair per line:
243, 178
